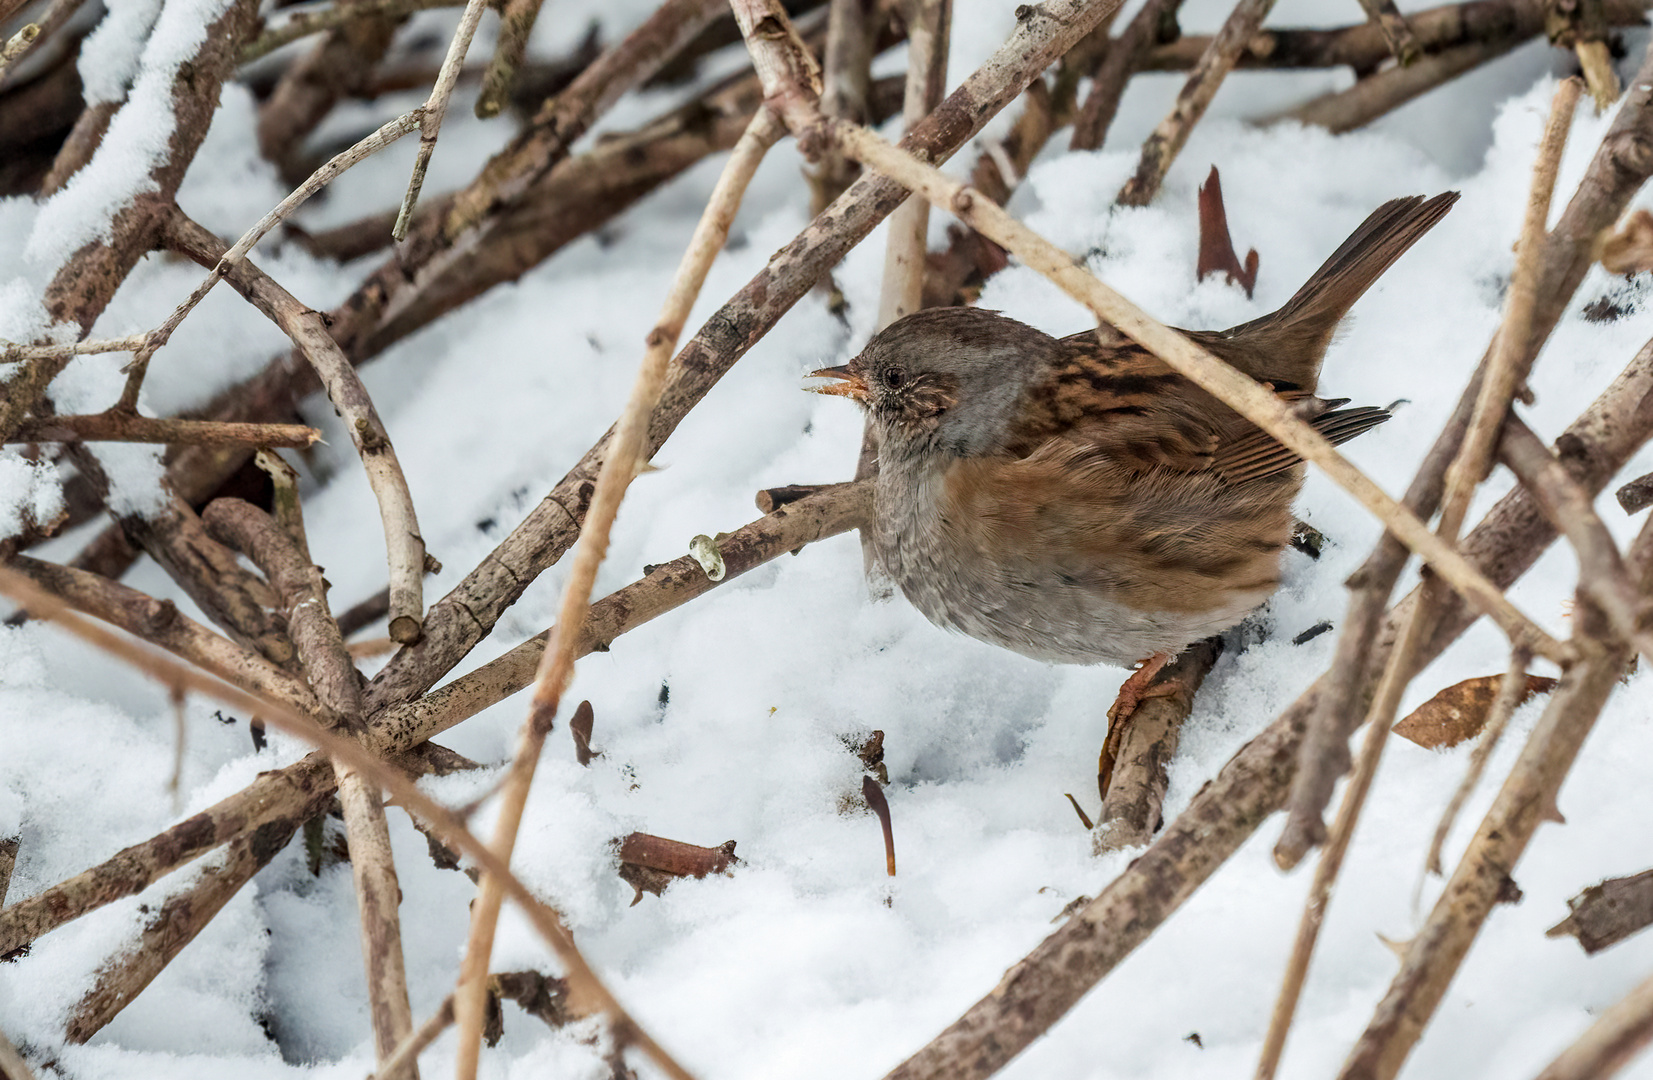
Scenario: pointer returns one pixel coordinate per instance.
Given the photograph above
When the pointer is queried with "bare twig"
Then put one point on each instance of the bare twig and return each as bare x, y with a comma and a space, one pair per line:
1124, 57
338, 686
435, 108
408, 1052
1510, 360
17, 45
846, 81
1402, 42
516, 22
1375, 95
625, 460
1617, 1036
304, 23
405, 548
82, 287
928, 23
1133, 802
176, 923
1602, 575
1511, 691
1162, 147
115, 426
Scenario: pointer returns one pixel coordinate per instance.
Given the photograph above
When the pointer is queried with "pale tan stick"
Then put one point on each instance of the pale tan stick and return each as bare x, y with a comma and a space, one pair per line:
415, 1044
11, 1062
909, 228
1509, 366
116, 426
404, 546
1511, 689
1162, 147
435, 108
1242, 394
1597, 62
585, 988
1609, 1044
623, 462
1397, 673
304, 23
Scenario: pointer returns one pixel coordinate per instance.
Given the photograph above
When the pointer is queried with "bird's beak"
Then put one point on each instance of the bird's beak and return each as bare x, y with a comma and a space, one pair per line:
849, 383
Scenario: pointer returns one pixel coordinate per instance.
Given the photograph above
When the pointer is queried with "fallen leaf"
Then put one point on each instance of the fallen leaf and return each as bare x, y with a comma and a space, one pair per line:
1460, 711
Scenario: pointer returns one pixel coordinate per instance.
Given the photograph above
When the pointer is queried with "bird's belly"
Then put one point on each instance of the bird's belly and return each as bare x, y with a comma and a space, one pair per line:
1080, 618
1067, 624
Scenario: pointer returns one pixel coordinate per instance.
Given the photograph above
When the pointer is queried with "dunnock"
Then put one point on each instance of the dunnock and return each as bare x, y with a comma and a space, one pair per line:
1076, 500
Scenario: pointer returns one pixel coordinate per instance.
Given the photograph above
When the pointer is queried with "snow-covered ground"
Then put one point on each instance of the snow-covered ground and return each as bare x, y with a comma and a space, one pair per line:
725, 720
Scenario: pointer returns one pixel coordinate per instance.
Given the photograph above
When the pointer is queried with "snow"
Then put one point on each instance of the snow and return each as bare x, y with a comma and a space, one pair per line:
727, 719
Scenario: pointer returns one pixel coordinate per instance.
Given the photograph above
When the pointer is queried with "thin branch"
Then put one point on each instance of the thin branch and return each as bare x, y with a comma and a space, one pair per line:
172, 926
1512, 689
1376, 95
301, 24
846, 81
17, 45
435, 108
1402, 42
117, 426
516, 22
237, 252
415, 1044
1162, 147
583, 980
928, 24
160, 623
1123, 59
315, 635
82, 287
1602, 575
1609, 1044
404, 546
1510, 359
1133, 805
624, 462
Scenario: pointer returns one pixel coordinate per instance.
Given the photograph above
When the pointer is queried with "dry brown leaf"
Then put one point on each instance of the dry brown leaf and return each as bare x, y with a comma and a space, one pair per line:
1460, 711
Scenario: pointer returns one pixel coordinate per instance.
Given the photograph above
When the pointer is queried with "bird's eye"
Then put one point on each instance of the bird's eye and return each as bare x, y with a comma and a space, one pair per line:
895, 379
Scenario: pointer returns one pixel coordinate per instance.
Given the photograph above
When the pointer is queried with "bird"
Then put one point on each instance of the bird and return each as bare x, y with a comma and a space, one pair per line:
1075, 499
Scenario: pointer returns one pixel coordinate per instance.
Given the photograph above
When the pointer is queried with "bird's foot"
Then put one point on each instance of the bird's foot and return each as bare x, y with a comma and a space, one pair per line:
1137, 689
